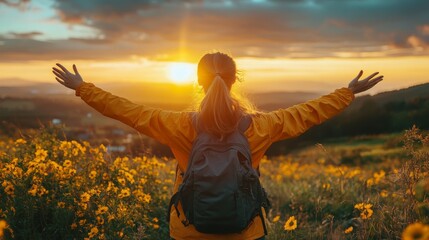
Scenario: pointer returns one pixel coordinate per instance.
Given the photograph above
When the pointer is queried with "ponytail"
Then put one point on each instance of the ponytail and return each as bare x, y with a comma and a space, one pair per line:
219, 112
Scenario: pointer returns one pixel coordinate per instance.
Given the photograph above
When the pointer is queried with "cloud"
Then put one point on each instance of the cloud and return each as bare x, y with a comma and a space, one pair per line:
19, 3
165, 29
25, 35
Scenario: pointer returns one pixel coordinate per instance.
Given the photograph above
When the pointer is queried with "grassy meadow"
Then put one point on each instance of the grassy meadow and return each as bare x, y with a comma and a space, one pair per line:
374, 187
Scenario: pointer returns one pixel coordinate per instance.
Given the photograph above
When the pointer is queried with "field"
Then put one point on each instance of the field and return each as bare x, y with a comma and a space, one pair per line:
373, 187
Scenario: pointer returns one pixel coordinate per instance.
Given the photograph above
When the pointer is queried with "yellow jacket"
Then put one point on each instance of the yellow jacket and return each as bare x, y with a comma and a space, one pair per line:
175, 130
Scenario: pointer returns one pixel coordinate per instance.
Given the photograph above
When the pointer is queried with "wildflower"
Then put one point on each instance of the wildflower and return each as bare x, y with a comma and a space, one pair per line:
20, 141
155, 219
101, 210
92, 174
326, 186
3, 226
121, 181
33, 190
365, 208
82, 222
61, 204
359, 206
9, 189
348, 230
129, 177
124, 193
67, 163
41, 154
384, 193
85, 197
276, 218
105, 176
100, 220
147, 198
379, 176
366, 213
155, 226
291, 224
73, 226
93, 232
416, 231
370, 182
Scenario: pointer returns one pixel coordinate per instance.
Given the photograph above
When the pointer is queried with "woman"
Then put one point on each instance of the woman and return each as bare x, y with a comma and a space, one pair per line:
219, 114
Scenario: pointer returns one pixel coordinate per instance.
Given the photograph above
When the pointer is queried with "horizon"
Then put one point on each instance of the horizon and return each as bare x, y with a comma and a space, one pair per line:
304, 45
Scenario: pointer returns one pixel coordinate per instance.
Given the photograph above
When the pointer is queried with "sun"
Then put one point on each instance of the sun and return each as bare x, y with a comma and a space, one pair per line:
181, 73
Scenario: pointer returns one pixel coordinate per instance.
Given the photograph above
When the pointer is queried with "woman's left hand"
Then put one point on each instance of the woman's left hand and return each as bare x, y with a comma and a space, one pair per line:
360, 86
67, 78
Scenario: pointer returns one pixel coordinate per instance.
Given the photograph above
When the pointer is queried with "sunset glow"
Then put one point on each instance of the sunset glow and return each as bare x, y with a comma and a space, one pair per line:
298, 46
181, 72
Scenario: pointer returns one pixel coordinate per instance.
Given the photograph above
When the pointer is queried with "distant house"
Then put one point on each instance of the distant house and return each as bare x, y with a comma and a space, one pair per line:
17, 104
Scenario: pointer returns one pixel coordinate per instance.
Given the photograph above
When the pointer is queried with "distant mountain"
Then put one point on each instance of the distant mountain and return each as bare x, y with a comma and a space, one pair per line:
167, 95
177, 97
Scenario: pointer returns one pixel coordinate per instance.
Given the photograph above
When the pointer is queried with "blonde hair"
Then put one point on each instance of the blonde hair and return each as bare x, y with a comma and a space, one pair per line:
220, 111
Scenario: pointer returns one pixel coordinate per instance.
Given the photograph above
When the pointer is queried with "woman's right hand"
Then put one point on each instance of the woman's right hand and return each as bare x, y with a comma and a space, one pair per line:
67, 78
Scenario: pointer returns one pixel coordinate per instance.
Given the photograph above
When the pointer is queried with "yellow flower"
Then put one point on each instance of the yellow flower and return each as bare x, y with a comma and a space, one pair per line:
92, 174
348, 230
20, 141
370, 182
326, 186
276, 218
82, 222
155, 226
416, 231
291, 224
33, 190
147, 198
366, 213
384, 194
100, 220
67, 163
359, 206
3, 226
73, 226
93, 232
85, 197
121, 181
101, 210
155, 220
61, 204
42, 191
129, 177
124, 193
9, 189
105, 176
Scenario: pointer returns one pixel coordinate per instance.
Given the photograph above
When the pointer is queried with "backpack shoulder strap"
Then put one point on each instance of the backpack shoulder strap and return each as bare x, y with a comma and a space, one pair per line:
244, 123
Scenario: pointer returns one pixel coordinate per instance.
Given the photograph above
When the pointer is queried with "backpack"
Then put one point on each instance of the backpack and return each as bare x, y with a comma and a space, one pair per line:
221, 192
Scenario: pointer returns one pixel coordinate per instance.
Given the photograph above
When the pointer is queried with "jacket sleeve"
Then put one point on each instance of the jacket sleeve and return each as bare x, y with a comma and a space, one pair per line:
295, 120
156, 123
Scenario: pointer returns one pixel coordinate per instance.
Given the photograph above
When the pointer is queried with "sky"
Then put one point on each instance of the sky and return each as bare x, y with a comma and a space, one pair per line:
279, 45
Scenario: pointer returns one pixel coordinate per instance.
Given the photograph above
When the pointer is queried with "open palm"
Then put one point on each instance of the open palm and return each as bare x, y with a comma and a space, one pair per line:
67, 78
360, 86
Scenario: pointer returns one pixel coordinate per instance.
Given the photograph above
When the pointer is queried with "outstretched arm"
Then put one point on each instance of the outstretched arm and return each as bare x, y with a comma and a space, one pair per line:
295, 120
156, 123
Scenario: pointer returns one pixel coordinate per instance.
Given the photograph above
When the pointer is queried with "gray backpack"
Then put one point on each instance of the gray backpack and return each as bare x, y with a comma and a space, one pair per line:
221, 192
